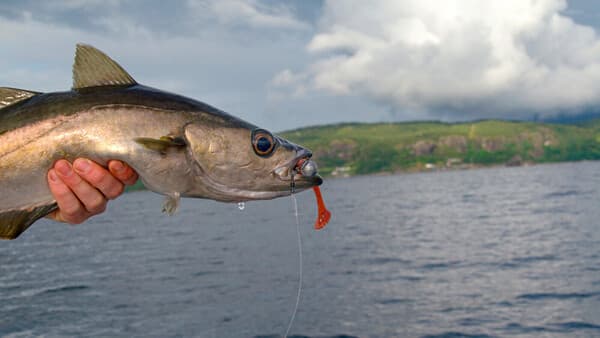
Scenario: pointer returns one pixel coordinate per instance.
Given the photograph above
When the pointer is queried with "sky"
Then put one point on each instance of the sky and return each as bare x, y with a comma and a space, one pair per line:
289, 64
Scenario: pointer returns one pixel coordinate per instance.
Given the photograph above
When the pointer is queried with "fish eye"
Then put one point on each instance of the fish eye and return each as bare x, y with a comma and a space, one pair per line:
263, 142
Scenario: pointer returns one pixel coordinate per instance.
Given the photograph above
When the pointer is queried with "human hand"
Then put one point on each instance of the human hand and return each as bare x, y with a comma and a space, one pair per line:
83, 189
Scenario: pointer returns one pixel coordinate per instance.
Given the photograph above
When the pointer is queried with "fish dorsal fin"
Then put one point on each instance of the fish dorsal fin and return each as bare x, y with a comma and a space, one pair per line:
10, 96
92, 68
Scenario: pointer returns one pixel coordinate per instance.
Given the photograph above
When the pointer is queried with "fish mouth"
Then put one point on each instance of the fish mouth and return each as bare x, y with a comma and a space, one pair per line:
291, 171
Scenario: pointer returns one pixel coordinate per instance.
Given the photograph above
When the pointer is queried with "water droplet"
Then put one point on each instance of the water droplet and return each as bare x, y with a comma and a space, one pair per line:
241, 205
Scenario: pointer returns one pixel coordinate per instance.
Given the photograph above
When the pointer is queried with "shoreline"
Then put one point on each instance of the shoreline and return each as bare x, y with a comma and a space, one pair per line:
139, 186
451, 169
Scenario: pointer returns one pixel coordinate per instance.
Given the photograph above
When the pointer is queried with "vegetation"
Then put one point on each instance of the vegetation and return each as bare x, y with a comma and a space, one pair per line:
352, 148
137, 186
360, 148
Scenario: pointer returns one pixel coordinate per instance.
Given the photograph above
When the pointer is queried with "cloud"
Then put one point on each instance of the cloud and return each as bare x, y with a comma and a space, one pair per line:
248, 13
180, 48
453, 59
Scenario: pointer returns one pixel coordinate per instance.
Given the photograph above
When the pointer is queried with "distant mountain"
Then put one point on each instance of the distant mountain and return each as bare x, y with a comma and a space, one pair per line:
582, 118
356, 148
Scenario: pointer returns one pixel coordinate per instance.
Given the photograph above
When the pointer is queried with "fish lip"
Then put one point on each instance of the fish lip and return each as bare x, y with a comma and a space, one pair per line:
302, 181
318, 180
308, 181
303, 153
285, 170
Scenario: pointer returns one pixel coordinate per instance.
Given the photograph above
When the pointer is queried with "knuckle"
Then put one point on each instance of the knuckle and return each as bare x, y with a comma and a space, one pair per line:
100, 209
61, 193
96, 175
78, 220
116, 191
73, 180
103, 180
125, 175
132, 179
72, 214
97, 205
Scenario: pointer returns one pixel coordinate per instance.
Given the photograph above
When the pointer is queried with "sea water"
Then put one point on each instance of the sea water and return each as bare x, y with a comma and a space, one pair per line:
492, 253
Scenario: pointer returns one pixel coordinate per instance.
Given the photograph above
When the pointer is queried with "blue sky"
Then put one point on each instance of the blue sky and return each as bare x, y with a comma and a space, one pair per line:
283, 65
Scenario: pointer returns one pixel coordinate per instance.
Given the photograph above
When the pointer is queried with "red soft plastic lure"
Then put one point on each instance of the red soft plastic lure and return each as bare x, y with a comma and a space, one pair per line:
323, 215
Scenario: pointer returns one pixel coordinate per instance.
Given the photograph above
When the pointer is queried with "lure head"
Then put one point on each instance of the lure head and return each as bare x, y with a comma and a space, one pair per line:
306, 167
241, 162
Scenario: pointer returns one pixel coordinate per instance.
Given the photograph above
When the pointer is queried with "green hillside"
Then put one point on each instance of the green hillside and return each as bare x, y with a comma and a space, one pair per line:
348, 149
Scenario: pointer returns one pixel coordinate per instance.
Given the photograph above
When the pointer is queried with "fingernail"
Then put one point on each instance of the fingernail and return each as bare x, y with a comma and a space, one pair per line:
52, 176
118, 166
63, 168
82, 165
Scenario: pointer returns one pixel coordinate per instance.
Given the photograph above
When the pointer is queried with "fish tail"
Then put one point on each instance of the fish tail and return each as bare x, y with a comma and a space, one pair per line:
14, 222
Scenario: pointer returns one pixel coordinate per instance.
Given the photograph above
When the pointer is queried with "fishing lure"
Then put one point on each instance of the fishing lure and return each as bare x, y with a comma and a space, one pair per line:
308, 168
323, 215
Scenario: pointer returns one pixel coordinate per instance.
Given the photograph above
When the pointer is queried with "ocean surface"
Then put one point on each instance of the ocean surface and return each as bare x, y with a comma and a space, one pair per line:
503, 252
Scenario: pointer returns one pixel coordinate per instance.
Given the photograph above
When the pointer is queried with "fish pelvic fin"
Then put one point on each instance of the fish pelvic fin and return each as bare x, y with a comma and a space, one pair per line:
14, 222
92, 68
9, 96
171, 203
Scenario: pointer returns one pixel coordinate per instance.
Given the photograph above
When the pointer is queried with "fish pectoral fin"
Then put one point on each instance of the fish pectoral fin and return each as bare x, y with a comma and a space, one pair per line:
14, 222
10, 96
171, 203
162, 144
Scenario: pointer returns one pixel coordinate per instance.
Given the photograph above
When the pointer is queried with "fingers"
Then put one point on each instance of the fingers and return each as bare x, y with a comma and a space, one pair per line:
98, 178
81, 190
92, 199
70, 209
123, 172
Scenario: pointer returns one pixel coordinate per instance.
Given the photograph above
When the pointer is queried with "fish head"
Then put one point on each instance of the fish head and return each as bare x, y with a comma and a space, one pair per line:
241, 162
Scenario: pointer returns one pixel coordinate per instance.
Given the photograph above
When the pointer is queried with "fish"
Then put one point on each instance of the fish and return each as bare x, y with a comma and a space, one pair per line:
179, 146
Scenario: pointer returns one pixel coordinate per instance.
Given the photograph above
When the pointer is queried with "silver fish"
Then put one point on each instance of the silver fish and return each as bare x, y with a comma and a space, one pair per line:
180, 147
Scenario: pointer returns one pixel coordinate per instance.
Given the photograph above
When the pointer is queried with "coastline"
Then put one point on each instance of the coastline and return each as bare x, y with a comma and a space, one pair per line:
139, 186
472, 167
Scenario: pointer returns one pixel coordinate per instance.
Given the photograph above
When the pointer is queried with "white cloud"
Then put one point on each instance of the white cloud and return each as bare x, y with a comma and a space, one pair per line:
291, 82
249, 13
77, 4
461, 59
228, 66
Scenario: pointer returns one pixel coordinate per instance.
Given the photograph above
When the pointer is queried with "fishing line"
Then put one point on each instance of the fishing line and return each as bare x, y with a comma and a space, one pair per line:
299, 268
